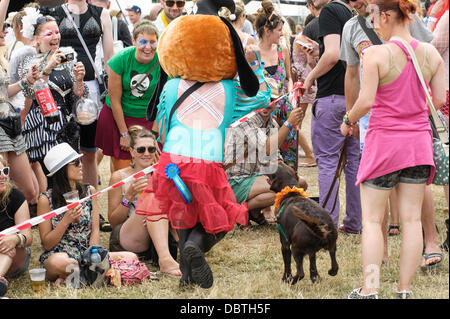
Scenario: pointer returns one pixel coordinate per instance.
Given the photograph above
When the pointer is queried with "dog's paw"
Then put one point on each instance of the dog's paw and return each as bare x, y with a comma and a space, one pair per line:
333, 272
287, 278
315, 278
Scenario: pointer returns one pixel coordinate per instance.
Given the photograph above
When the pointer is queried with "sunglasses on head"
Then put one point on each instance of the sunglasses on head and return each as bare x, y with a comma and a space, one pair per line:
5, 171
76, 162
180, 4
150, 149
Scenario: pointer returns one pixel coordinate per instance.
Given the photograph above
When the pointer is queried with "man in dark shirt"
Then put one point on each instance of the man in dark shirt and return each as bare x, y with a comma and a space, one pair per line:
328, 111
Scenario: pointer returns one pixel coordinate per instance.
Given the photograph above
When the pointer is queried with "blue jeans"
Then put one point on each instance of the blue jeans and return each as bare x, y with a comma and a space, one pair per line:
327, 142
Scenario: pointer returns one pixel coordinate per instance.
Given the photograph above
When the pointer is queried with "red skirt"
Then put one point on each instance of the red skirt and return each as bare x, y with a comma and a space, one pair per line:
213, 202
107, 136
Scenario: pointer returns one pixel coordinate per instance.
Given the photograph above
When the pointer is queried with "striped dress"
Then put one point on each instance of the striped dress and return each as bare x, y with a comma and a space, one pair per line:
40, 136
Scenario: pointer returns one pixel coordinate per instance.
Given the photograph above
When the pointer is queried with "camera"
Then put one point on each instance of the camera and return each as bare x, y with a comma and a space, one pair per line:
68, 57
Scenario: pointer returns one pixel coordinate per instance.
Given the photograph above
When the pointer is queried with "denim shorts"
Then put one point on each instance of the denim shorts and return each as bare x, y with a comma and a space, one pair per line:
24, 267
410, 175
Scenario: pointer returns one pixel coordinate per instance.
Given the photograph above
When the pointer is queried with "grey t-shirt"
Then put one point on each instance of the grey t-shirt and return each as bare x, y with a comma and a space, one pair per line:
355, 41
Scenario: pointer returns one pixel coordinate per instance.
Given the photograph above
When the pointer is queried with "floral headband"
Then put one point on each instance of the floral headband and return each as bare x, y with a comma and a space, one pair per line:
30, 22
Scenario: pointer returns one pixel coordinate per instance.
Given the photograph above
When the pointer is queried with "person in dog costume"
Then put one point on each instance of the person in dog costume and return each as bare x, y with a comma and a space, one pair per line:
203, 56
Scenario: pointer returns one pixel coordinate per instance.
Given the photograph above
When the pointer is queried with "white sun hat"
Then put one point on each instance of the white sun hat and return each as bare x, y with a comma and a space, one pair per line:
59, 156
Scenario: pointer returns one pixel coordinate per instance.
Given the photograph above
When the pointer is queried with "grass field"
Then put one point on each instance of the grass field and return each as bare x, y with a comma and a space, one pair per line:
248, 264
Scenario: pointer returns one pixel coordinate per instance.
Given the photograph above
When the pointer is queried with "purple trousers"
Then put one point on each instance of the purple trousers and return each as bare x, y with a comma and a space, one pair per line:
327, 142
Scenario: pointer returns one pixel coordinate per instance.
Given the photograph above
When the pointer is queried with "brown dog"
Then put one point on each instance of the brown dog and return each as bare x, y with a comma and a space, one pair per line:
304, 227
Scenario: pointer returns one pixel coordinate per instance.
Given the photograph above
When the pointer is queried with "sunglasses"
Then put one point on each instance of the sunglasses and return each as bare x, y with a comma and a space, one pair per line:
76, 162
5, 26
150, 149
5, 171
180, 4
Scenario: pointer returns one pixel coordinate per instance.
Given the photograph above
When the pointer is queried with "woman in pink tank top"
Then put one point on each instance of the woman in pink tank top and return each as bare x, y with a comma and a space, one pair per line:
398, 146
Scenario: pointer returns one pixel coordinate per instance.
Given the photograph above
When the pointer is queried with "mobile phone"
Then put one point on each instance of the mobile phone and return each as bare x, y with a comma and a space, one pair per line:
305, 45
68, 57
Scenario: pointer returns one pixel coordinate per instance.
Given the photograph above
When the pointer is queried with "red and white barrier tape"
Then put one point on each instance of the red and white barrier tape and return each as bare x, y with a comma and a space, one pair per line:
41, 218
295, 93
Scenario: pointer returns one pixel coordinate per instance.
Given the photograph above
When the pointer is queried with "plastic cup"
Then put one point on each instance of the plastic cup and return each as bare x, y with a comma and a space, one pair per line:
71, 197
37, 276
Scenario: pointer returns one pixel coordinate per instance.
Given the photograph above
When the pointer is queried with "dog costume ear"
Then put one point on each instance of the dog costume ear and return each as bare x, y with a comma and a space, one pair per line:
154, 101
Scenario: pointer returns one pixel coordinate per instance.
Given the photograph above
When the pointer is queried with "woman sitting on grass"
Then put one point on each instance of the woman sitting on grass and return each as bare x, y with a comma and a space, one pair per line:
14, 249
129, 233
65, 237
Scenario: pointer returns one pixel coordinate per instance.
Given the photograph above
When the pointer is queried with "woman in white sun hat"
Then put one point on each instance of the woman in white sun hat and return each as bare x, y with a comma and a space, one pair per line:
65, 237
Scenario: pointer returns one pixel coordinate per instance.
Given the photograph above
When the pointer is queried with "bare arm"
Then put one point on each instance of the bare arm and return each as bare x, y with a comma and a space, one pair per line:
115, 96
107, 39
3, 9
328, 59
95, 219
351, 85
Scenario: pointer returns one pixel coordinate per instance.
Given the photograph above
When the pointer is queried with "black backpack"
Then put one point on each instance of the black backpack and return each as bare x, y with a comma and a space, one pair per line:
93, 274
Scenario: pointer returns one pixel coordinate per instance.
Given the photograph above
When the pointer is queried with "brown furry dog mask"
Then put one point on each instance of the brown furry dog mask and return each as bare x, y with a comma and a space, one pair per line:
203, 47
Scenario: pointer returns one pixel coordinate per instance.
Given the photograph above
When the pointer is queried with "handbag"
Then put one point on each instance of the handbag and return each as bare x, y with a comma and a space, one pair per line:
11, 124
440, 155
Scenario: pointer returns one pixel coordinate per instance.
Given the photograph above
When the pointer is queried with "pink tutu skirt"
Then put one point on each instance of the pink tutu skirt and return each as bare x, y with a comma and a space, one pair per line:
213, 202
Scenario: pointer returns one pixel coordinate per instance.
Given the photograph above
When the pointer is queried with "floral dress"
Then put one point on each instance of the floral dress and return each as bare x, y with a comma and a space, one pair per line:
76, 238
283, 108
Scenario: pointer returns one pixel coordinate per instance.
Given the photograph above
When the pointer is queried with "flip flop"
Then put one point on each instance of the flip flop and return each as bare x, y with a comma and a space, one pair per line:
305, 164
168, 273
435, 265
394, 227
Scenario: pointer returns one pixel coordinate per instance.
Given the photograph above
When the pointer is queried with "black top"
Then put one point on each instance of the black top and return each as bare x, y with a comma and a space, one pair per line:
15, 200
331, 21
312, 30
123, 33
90, 26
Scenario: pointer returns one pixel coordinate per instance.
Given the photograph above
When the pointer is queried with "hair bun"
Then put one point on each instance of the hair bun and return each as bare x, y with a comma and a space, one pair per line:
267, 6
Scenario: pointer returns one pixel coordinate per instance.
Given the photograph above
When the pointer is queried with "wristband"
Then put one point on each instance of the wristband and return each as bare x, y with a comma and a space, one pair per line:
123, 134
45, 73
125, 202
254, 63
22, 240
22, 84
346, 120
289, 126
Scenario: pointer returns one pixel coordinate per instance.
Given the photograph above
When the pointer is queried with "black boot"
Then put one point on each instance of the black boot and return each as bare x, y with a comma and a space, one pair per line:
186, 279
198, 243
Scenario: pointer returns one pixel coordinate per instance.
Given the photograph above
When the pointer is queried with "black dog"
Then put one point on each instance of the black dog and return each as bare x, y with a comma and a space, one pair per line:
304, 227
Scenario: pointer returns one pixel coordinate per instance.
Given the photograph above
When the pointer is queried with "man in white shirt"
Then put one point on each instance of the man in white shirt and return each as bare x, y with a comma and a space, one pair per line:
171, 10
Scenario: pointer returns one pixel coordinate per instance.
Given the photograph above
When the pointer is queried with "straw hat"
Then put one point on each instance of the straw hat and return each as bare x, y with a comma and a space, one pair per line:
59, 156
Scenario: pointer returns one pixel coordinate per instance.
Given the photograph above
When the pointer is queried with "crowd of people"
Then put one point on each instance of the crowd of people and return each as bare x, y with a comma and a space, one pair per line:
355, 71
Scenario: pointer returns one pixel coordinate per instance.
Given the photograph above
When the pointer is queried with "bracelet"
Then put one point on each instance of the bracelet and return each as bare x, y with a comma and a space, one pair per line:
346, 120
254, 63
289, 126
123, 134
125, 202
22, 240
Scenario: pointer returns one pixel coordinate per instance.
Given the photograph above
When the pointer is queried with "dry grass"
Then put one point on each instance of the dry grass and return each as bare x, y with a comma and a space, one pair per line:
248, 264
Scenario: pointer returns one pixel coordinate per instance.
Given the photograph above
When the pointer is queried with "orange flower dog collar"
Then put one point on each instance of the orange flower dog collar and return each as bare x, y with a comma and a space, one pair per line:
279, 196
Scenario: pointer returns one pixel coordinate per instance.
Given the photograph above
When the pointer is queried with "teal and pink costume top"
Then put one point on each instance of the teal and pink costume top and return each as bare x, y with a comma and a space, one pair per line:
195, 144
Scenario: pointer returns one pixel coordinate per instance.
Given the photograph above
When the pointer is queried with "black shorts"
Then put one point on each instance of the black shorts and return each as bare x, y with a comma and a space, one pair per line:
410, 175
87, 137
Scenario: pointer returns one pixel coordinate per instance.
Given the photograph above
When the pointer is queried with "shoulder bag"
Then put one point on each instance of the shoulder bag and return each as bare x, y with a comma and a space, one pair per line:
440, 154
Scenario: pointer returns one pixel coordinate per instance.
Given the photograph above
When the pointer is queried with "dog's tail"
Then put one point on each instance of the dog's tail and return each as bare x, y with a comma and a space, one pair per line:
312, 225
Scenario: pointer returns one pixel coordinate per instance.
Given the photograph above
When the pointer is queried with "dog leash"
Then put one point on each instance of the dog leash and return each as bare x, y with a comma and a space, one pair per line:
341, 164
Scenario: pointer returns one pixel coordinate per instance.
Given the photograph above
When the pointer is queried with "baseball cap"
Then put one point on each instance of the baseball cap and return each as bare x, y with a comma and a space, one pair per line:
135, 9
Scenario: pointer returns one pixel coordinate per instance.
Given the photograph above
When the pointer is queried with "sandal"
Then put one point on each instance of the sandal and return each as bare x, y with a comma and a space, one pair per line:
394, 230
105, 226
3, 286
434, 265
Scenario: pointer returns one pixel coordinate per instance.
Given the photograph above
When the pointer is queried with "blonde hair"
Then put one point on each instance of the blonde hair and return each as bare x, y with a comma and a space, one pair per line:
8, 187
238, 12
3, 60
136, 132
